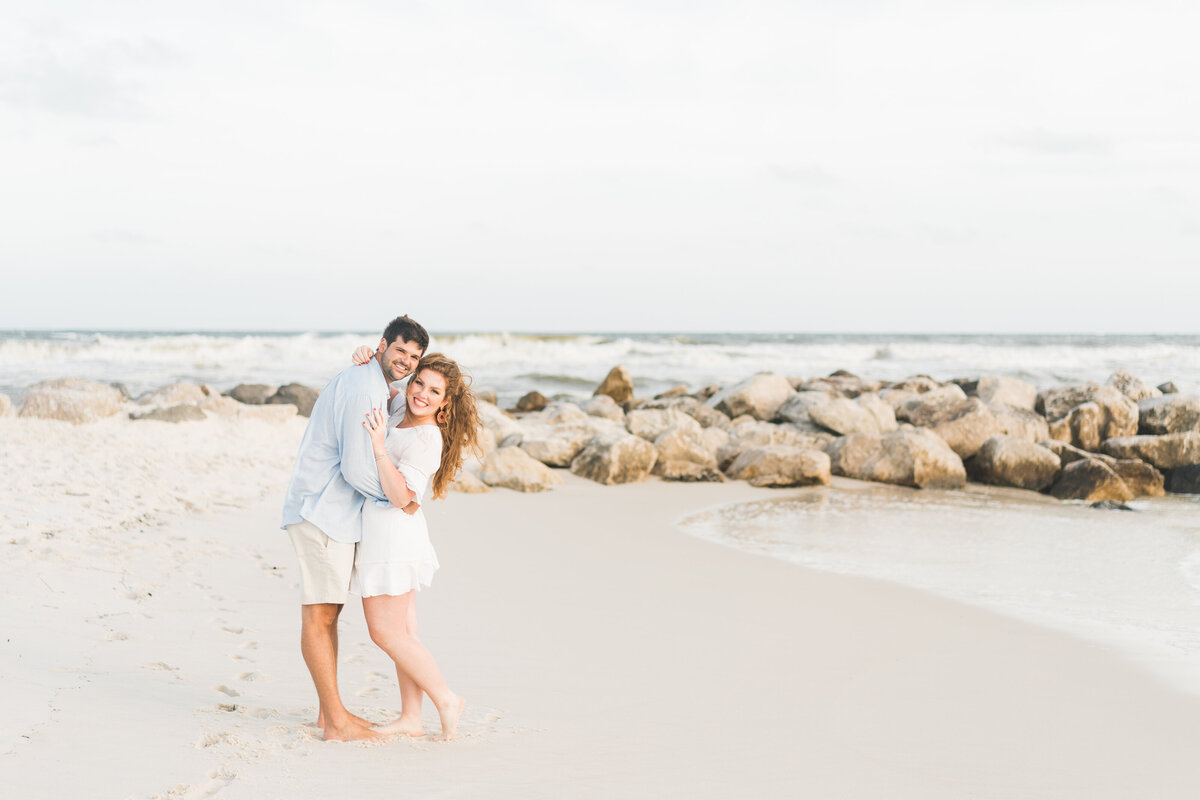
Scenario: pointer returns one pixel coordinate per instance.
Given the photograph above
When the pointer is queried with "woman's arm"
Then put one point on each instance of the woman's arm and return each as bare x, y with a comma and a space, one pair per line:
361, 355
395, 487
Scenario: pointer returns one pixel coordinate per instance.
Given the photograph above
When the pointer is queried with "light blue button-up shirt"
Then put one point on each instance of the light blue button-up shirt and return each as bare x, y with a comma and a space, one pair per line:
335, 469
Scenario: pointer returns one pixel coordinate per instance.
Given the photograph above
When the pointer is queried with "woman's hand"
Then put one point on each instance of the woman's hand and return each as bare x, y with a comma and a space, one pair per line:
376, 425
362, 355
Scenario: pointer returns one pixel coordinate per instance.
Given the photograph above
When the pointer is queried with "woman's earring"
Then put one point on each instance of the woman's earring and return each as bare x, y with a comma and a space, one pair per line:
441, 416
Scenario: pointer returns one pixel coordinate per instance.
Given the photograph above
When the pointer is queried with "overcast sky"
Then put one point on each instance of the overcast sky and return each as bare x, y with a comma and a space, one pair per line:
852, 165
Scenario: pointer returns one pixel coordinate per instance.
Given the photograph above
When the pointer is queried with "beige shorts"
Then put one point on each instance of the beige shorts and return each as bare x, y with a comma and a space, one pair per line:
325, 564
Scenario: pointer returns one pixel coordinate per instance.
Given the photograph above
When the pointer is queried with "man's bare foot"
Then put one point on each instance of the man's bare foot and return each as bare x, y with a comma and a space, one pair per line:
404, 726
451, 714
352, 732
355, 718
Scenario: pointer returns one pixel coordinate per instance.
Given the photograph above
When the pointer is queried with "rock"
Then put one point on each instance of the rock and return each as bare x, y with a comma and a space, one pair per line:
513, 468
615, 458
254, 394
1184, 480
967, 426
883, 412
1170, 413
71, 400
1090, 480
1118, 414
6, 406
617, 384
781, 465
687, 472
652, 423
707, 392
929, 408
707, 417
604, 407
122, 388
1010, 391
760, 396
681, 450
559, 413
221, 405
796, 408
1164, 452
302, 397
468, 483
499, 422
911, 457
917, 383
1081, 426
1132, 387
759, 434
1142, 479
1168, 388
1020, 422
1068, 452
674, 391
845, 417
848, 454
532, 401
847, 385
556, 445
184, 412
1110, 505
487, 396
1009, 461
174, 394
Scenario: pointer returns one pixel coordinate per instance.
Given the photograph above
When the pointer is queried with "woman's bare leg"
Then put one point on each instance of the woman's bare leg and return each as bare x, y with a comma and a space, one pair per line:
409, 722
388, 622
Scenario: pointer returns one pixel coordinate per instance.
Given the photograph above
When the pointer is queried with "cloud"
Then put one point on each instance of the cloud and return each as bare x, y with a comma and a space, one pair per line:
802, 174
123, 236
1052, 143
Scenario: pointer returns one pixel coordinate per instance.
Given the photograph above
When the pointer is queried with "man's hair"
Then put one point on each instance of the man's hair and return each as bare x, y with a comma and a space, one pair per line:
406, 329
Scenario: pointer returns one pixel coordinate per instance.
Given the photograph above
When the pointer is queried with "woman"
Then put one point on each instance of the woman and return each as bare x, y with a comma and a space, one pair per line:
417, 451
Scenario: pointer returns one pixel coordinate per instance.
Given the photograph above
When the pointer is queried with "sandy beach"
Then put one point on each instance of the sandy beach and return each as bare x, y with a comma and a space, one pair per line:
604, 653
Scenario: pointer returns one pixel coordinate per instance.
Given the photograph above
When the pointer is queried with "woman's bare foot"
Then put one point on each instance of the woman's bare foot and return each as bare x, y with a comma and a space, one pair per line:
352, 732
451, 713
404, 726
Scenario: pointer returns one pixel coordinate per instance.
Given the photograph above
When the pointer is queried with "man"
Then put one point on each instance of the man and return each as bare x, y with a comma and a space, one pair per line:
334, 475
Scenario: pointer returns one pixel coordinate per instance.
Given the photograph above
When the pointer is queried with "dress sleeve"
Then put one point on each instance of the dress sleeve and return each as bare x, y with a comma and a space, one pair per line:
420, 460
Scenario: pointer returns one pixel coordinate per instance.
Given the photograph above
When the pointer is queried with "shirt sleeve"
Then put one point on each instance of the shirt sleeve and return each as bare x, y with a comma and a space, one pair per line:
354, 450
420, 460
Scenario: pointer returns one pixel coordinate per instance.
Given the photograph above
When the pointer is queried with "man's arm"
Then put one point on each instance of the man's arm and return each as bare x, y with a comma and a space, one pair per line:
354, 449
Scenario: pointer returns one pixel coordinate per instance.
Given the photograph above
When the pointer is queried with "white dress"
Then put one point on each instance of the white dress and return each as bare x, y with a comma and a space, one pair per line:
395, 555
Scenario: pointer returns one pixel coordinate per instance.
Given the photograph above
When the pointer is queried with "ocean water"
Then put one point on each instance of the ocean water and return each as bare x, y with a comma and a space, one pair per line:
1129, 581
573, 364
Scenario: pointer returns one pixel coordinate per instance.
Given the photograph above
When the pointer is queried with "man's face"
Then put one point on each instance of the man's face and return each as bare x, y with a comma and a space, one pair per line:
398, 359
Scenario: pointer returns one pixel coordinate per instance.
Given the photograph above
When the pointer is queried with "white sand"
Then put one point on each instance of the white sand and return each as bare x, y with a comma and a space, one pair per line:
604, 653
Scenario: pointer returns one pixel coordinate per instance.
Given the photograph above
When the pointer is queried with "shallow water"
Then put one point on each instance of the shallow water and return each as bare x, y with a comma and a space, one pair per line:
1129, 581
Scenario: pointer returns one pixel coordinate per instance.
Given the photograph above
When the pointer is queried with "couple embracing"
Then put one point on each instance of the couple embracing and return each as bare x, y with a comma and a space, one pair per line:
353, 512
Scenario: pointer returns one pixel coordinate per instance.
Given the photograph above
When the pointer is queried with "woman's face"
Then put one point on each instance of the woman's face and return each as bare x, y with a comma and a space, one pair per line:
426, 393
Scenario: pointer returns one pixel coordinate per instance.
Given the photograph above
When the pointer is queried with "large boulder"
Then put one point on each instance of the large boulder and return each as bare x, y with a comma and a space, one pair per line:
686, 454
796, 409
1090, 480
302, 397
174, 394
1009, 461
920, 384
532, 401
184, 412
966, 426
758, 434
883, 412
1021, 423
556, 445
1118, 414
613, 458
71, 400
604, 407
1184, 480
1010, 391
760, 396
912, 457
499, 422
513, 468
1081, 426
652, 423
1142, 479
1164, 452
468, 483
781, 465
844, 417
1067, 452
254, 394
1132, 386
1169, 413
617, 384
927, 409
849, 454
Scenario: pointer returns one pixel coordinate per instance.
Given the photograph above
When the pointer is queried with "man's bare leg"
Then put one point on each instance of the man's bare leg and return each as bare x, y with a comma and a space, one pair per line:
317, 636
334, 635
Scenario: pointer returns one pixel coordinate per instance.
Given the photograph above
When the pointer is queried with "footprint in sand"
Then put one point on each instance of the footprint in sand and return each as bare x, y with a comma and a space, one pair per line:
249, 645
367, 691
231, 629
160, 666
223, 689
117, 636
249, 676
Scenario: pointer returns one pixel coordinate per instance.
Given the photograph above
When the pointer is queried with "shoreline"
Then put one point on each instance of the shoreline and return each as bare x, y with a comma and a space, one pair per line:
611, 655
